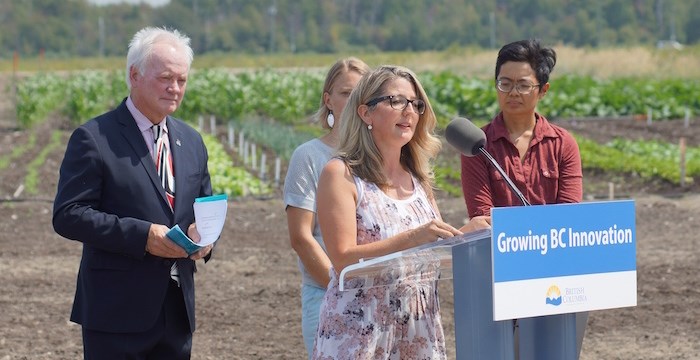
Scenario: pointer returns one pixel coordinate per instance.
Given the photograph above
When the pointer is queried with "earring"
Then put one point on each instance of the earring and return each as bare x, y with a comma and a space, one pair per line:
369, 127
330, 120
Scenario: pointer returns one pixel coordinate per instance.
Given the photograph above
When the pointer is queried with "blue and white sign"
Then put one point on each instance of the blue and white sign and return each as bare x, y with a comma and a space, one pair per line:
564, 258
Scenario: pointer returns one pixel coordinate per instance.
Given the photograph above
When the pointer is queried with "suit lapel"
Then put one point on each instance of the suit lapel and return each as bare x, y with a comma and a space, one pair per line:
133, 136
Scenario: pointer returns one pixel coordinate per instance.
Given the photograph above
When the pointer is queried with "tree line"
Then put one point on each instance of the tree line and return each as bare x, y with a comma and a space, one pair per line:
68, 28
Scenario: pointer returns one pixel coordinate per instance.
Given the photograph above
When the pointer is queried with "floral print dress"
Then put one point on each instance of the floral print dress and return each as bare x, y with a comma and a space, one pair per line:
397, 320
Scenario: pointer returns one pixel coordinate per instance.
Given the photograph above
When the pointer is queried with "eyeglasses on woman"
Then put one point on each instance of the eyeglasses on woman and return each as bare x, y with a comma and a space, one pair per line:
400, 102
522, 88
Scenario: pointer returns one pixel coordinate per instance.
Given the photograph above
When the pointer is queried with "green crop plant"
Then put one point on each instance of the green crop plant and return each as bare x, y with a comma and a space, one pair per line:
228, 179
18, 150
32, 178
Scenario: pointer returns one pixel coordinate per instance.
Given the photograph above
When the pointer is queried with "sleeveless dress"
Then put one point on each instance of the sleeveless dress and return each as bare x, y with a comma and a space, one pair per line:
400, 319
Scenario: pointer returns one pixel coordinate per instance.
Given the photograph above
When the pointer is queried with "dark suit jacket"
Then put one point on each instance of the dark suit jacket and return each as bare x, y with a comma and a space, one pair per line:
109, 194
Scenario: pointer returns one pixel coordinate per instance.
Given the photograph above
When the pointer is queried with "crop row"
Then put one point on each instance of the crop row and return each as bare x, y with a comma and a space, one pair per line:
291, 96
228, 179
273, 108
571, 96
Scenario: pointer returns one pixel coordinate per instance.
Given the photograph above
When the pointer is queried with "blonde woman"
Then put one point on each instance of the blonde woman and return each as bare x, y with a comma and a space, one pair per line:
300, 191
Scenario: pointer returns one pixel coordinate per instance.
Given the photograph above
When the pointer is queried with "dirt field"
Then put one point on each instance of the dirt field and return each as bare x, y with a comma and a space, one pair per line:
248, 303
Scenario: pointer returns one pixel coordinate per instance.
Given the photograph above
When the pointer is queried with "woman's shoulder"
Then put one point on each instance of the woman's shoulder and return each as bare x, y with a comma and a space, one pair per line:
337, 169
312, 149
336, 166
555, 130
312, 145
562, 132
337, 173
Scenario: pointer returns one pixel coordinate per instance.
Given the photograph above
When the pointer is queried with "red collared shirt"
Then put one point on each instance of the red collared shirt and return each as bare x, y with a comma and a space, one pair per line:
550, 173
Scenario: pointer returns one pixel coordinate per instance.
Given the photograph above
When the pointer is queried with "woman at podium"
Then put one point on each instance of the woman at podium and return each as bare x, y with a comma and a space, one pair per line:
375, 198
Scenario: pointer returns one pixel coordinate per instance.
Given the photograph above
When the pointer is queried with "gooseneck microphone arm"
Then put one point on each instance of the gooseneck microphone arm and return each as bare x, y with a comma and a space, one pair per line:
515, 189
470, 141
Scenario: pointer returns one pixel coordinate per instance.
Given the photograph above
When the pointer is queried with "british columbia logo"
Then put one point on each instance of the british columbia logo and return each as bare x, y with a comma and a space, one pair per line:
570, 296
553, 296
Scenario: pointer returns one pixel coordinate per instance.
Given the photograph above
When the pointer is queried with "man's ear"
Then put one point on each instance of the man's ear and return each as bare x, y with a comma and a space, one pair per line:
133, 74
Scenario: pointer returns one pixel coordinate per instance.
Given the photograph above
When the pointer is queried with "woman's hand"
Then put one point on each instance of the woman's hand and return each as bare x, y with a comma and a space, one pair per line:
431, 231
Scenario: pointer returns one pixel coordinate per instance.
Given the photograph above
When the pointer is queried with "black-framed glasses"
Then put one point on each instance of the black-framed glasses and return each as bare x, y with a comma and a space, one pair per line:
399, 102
507, 86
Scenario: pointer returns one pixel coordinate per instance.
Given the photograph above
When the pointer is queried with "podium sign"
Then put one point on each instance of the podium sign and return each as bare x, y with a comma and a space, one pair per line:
564, 258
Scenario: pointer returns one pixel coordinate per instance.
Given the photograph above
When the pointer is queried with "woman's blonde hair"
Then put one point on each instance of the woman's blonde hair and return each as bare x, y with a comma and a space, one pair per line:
342, 66
357, 147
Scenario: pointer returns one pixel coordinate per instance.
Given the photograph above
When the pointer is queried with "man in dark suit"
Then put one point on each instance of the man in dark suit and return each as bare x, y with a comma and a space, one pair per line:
135, 289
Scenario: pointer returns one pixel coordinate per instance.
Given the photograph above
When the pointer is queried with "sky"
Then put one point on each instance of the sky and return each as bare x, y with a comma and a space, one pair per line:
109, 2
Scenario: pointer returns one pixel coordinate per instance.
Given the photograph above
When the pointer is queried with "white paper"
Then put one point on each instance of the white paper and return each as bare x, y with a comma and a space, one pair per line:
209, 217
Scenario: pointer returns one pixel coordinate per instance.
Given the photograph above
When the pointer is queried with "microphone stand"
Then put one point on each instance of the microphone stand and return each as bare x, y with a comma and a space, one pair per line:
516, 322
503, 173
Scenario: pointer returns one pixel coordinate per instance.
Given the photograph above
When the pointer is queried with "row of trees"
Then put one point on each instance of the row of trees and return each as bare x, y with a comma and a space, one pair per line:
79, 28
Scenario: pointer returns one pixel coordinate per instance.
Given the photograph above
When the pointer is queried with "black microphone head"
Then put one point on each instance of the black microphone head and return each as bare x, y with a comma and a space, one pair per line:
464, 136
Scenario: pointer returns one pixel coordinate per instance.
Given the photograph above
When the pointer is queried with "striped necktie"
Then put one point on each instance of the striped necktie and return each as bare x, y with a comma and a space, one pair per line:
164, 163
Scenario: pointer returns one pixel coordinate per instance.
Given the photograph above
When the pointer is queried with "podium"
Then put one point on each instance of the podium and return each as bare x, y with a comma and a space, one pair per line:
466, 259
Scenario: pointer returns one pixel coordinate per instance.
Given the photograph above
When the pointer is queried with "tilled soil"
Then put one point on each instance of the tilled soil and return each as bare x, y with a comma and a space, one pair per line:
248, 303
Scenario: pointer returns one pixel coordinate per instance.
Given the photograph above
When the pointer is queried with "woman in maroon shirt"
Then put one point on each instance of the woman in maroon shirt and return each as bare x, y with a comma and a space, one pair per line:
541, 159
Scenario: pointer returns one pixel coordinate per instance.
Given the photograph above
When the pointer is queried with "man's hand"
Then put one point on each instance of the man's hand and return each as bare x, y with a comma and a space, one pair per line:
194, 235
202, 252
159, 244
477, 223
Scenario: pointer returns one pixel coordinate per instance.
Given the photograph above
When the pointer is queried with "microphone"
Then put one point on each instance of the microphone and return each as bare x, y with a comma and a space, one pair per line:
466, 137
